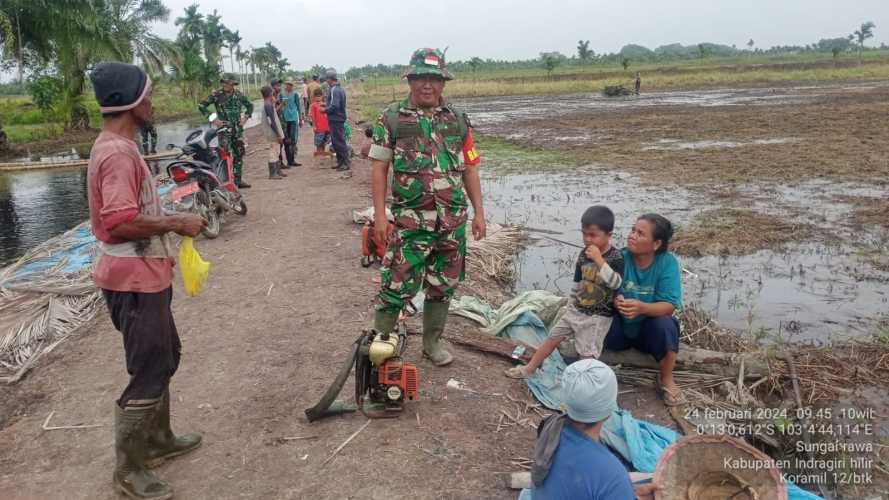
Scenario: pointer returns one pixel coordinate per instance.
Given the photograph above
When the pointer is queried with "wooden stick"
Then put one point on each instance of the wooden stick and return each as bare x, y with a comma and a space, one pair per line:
47, 427
340, 447
794, 379
296, 438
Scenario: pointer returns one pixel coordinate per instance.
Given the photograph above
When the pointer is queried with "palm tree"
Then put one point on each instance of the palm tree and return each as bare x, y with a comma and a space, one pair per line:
192, 28
214, 38
77, 33
130, 22
233, 41
862, 34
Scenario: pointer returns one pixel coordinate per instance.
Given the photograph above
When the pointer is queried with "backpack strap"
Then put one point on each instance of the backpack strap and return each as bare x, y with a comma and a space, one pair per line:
391, 114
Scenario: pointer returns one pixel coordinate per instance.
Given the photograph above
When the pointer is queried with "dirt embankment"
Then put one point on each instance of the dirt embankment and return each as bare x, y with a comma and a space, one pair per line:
285, 299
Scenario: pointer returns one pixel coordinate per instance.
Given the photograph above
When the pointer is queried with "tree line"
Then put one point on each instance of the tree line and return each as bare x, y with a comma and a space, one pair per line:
57, 41
634, 53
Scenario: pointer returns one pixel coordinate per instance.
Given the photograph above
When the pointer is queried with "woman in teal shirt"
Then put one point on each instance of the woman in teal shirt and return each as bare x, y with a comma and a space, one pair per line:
650, 300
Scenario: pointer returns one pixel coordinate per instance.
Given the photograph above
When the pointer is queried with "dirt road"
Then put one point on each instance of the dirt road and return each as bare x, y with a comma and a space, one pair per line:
285, 298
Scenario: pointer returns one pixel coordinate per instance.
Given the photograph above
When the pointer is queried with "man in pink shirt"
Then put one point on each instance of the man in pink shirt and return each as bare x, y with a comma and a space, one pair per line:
135, 273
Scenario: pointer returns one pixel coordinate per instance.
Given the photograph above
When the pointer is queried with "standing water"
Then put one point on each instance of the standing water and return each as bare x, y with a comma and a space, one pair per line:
36, 205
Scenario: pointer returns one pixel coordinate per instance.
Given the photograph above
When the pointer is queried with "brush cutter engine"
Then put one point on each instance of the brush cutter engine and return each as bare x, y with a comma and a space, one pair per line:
383, 380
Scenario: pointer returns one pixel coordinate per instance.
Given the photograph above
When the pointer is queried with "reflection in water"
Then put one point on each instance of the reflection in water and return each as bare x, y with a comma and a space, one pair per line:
811, 290
36, 205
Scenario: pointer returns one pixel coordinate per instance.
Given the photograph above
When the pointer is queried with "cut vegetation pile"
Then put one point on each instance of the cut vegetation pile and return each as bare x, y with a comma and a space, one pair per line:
735, 231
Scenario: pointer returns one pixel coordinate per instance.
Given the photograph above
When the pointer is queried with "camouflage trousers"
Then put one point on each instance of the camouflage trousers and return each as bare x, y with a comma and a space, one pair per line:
234, 145
420, 258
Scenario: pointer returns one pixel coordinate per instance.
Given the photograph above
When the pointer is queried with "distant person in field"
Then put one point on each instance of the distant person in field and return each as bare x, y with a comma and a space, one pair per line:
149, 139
134, 270
638, 83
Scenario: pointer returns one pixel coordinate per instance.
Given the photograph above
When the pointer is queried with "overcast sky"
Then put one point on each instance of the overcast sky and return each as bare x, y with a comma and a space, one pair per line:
346, 33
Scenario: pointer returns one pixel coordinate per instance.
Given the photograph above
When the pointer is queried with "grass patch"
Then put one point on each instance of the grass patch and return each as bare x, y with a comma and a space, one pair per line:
734, 231
741, 71
24, 122
509, 156
36, 132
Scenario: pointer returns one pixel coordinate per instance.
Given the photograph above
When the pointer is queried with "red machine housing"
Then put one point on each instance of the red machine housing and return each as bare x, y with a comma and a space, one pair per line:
402, 374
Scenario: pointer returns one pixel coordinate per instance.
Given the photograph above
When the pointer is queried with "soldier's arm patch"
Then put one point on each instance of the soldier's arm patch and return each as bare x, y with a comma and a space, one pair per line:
470, 153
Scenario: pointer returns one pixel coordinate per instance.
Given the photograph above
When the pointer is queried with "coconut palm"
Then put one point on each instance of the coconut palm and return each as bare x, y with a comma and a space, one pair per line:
233, 42
214, 38
131, 24
192, 26
862, 34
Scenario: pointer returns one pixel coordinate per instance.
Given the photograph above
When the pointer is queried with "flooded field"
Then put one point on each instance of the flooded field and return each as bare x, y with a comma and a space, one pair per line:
834, 283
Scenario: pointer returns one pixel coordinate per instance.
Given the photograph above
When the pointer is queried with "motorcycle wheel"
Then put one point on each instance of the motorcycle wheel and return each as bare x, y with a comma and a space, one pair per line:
206, 210
240, 208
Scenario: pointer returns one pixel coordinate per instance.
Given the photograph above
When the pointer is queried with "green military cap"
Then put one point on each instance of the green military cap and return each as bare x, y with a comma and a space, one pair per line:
428, 62
228, 78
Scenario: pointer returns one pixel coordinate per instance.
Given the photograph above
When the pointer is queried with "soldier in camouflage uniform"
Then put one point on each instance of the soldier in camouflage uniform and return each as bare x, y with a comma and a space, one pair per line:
435, 177
229, 102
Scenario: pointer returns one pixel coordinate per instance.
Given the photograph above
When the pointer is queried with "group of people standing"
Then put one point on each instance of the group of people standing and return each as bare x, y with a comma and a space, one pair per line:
624, 298
285, 109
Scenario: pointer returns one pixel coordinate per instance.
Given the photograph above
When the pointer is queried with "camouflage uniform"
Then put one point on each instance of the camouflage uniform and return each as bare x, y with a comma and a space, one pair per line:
228, 107
428, 246
429, 150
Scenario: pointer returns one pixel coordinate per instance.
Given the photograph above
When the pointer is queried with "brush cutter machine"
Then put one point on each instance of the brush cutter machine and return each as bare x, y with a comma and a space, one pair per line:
383, 380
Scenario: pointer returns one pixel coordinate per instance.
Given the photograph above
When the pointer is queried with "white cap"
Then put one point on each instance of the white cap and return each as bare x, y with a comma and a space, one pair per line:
589, 389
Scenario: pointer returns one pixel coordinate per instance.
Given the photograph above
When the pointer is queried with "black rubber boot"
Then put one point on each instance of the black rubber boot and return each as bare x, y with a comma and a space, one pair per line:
131, 476
435, 316
162, 443
273, 171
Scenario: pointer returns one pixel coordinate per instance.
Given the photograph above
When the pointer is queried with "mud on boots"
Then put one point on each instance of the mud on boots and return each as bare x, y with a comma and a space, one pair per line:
162, 443
131, 475
435, 316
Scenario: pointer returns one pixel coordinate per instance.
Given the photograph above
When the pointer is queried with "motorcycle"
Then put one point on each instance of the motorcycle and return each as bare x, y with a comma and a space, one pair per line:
204, 178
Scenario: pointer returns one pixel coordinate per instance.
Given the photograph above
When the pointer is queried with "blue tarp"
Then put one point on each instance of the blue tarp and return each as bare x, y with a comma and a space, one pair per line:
77, 254
639, 442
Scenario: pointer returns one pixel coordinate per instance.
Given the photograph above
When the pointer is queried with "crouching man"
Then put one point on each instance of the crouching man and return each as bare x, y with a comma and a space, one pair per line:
135, 273
570, 463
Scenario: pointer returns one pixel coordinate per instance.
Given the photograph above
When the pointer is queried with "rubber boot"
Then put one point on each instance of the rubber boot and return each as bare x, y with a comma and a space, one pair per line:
384, 322
131, 476
435, 315
280, 169
273, 171
162, 443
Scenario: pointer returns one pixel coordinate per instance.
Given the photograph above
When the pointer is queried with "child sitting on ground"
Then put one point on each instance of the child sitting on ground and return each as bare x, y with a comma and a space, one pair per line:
319, 123
597, 275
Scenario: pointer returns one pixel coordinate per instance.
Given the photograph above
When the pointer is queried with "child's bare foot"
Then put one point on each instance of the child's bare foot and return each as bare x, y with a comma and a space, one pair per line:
518, 372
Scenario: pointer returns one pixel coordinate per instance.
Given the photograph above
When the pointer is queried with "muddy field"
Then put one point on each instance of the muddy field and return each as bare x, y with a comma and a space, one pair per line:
288, 297
812, 159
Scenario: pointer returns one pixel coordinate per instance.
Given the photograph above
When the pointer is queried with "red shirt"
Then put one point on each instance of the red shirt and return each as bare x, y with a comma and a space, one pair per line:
319, 119
115, 175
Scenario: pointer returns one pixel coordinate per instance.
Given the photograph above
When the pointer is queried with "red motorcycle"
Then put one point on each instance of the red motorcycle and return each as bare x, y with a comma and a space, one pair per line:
204, 178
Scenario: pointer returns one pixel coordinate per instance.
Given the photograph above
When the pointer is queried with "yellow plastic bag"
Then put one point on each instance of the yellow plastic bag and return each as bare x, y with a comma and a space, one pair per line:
194, 269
